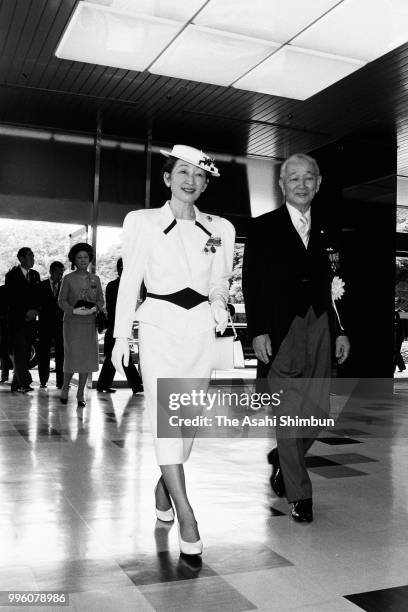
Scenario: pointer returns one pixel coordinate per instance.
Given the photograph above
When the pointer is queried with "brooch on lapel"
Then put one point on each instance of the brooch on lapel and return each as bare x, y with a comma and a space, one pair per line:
334, 258
332, 252
212, 244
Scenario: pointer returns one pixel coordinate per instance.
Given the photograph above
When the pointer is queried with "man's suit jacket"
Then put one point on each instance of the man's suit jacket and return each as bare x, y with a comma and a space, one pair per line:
22, 295
111, 295
50, 315
154, 252
282, 278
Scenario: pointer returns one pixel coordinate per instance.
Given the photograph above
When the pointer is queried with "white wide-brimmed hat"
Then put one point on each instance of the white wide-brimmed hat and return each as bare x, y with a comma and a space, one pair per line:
193, 156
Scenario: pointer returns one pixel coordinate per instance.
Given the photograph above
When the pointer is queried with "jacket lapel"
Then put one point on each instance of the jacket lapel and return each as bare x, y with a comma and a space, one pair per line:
315, 232
204, 227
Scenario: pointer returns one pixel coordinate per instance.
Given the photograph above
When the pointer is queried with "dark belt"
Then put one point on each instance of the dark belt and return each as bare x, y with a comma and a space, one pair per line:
186, 298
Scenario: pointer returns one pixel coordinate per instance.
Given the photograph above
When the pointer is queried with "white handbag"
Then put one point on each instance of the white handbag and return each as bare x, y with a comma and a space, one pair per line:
228, 351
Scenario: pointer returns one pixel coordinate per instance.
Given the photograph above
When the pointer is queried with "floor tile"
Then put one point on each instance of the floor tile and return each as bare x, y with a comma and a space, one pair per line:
126, 599
339, 471
164, 566
338, 441
79, 575
383, 600
206, 595
330, 605
349, 458
313, 461
231, 559
276, 512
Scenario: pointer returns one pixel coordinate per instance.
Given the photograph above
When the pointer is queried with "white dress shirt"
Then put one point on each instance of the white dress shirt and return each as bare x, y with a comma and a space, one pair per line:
25, 272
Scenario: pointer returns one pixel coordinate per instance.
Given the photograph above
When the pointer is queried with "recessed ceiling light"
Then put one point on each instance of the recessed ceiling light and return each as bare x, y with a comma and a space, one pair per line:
102, 35
178, 10
272, 20
365, 29
297, 73
211, 56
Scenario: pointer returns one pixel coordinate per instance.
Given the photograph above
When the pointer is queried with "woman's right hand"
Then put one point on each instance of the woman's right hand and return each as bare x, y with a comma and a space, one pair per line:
84, 311
80, 311
120, 355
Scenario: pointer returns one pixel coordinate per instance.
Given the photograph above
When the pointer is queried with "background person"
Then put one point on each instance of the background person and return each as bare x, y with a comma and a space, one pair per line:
398, 340
185, 258
107, 373
5, 361
50, 326
22, 286
80, 298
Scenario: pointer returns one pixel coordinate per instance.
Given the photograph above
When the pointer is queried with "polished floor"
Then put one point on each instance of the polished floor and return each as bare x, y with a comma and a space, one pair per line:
77, 514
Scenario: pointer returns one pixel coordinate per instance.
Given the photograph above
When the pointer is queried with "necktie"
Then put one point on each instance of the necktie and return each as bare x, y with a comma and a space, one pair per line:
303, 229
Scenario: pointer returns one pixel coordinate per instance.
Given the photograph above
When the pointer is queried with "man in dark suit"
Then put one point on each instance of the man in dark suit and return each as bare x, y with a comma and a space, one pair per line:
50, 326
5, 361
288, 269
22, 285
108, 371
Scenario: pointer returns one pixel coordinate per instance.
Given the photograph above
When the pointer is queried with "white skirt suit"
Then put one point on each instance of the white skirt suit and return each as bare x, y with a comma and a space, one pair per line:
170, 255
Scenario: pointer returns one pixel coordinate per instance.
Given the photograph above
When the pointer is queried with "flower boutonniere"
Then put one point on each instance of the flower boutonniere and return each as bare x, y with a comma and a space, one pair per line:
337, 288
337, 292
212, 244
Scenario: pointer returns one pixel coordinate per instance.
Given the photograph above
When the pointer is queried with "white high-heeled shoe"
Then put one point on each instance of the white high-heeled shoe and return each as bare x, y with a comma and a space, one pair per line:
167, 516
189, 548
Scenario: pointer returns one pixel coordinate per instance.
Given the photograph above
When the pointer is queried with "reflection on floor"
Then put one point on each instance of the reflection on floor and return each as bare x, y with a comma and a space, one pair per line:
77, 514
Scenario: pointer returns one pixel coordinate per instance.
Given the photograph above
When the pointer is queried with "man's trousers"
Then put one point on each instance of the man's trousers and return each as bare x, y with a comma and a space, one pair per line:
302, 370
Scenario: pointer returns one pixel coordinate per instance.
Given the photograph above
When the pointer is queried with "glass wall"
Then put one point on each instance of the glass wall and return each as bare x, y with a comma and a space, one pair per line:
401, 298
48, 241
108, 250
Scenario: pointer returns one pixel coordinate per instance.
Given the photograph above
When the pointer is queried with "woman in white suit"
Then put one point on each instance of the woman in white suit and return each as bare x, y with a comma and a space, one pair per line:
185, 259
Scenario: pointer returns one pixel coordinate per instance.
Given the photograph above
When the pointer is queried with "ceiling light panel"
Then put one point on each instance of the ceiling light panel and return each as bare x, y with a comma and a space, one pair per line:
101, 35
364, 29
177, 10
209, 56
272, 20
297, 73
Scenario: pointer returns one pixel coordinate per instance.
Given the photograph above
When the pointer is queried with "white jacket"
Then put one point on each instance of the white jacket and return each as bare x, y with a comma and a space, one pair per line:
153, 251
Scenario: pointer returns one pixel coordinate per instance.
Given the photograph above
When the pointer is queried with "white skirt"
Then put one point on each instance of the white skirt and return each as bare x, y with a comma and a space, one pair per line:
165, 355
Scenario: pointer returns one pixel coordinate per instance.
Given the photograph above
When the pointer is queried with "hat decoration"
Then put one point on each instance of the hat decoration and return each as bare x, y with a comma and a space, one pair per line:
193, 156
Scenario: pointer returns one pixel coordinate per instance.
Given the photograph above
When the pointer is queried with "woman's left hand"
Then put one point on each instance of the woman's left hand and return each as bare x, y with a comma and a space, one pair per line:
220, 314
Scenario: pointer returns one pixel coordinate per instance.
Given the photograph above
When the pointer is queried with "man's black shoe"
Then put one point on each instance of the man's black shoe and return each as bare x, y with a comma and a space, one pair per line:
137, 390
303, 511
107, 390
276, 480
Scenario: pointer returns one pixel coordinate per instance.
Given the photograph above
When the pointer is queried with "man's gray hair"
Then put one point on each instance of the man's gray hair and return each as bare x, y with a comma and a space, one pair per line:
301, 157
